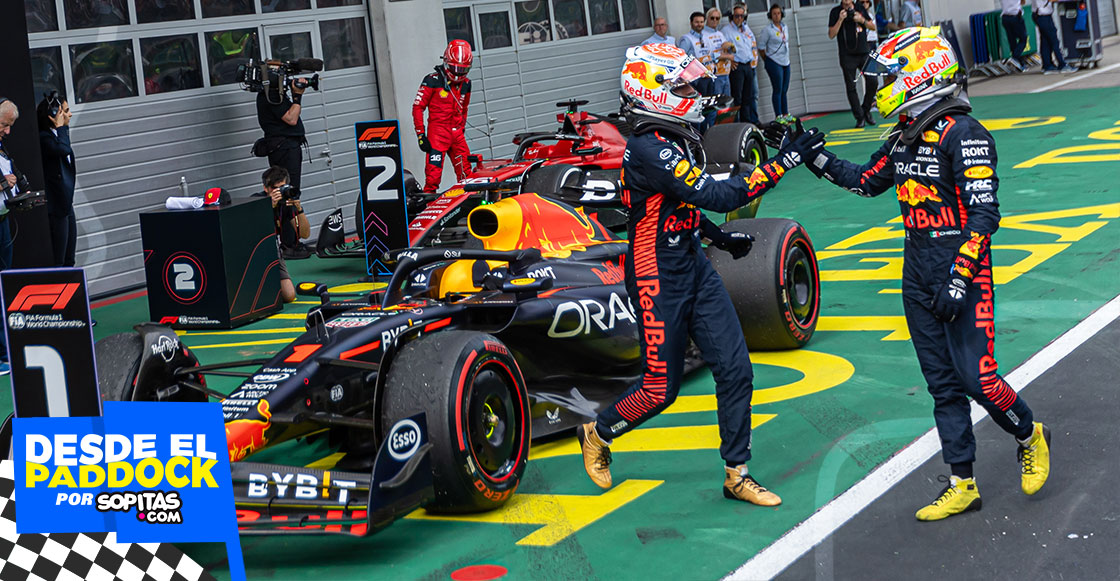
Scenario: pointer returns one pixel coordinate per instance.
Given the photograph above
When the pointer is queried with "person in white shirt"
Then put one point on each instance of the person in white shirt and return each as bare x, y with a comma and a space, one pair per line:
1048, 38
744, 83
1016, 30
911, 14
660, 33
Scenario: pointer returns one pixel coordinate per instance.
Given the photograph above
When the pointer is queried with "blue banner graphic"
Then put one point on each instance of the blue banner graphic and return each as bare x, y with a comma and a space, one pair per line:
151, 472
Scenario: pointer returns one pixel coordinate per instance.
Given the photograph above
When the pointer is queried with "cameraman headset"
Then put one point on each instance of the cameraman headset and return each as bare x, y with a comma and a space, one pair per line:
277, 187
59, 173
278, 115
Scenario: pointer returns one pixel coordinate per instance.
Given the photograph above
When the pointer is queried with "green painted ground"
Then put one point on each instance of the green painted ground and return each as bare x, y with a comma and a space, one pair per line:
1058, 250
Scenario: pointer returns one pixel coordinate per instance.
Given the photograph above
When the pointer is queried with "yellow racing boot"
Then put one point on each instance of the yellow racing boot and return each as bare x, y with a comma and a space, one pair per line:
959, 496
596, 455
1034, 456
738, 485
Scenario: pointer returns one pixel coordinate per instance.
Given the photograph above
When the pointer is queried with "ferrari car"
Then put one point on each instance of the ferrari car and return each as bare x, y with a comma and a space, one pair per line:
579, 163
434, 386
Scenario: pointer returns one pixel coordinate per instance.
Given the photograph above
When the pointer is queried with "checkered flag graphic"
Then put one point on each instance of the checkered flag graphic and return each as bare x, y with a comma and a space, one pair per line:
82, 556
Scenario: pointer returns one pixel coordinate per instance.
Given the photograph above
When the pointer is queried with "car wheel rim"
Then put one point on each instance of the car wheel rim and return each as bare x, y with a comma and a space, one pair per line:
800, 284
492, 429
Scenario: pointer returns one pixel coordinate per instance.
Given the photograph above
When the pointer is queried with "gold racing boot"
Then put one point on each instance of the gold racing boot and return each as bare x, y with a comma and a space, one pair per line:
596, 455
959, 496
1035, 459
738, 485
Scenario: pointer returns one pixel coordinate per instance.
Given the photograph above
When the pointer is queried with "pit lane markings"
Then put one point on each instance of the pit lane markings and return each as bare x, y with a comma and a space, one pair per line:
853, 136
774, 559
242, 332
561, 514
1074, 79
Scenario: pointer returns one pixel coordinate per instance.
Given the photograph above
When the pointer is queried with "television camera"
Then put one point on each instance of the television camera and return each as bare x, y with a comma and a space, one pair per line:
272, 76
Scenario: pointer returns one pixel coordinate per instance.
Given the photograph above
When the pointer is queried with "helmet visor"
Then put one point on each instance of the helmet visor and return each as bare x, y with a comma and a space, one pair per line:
879, 66
692, 71
457, 70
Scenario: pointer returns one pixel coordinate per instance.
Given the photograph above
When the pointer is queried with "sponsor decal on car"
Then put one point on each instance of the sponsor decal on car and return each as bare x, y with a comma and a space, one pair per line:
585, 316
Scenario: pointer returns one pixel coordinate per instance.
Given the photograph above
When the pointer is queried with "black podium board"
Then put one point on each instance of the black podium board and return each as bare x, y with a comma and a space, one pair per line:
212, 268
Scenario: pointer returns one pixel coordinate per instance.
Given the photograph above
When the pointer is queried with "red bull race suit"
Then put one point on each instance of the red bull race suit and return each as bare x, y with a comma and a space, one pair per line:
946, 183
447, 104
674, 289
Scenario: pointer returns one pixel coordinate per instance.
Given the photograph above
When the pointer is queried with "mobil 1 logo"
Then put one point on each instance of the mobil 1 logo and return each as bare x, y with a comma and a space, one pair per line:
385, 222
50, 343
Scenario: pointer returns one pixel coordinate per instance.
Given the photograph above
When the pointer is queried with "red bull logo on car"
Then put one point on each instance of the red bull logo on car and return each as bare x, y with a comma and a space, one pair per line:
247, 436
913, 193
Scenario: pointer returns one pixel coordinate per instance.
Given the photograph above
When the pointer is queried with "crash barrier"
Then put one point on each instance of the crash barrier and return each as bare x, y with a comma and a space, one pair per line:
990, 49
1081, 32
215, 267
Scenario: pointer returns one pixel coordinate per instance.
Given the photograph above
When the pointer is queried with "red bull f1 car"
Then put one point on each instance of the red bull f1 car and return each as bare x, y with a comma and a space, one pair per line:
506, 320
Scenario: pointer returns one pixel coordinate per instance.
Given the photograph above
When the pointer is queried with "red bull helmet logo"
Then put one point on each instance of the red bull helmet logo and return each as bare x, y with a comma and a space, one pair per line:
913, 193
247, 436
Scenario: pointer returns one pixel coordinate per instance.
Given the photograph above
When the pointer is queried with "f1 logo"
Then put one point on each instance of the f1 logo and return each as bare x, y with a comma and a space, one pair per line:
378, 133
55, 295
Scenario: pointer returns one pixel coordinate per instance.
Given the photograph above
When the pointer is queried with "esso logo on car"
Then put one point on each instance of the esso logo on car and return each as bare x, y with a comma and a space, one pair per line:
403, 440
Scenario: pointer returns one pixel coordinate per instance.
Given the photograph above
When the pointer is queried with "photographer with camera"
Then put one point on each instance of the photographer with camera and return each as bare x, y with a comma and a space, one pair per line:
285, 208
59, 172
279, 104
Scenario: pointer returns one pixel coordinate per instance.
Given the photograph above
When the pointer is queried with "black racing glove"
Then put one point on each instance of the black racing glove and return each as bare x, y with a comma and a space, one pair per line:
738, 244
778, 134
806, 146
949, 300
423, 141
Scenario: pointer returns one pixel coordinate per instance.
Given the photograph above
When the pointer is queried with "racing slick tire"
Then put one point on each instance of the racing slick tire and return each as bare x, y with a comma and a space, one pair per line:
477, 409
775, 288
736, 143
120, 376
547, 180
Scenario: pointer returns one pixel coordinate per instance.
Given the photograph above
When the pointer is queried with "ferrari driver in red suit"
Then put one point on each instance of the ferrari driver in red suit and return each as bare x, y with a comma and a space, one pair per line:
446, 94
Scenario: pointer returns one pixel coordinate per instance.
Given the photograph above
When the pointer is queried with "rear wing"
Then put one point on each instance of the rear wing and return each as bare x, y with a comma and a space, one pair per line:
275, 499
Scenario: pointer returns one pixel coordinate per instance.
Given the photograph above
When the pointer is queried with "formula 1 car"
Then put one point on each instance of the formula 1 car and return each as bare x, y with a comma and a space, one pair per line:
577, 163
434, 386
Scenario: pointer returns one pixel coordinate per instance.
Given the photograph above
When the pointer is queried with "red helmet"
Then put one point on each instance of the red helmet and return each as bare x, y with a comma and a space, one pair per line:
457, 60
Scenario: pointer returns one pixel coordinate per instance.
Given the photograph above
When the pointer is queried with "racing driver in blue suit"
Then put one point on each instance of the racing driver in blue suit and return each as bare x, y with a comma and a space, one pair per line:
673, 287
942, 163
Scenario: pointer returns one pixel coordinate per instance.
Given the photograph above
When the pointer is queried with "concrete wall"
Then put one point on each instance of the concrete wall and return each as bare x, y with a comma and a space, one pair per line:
409, 39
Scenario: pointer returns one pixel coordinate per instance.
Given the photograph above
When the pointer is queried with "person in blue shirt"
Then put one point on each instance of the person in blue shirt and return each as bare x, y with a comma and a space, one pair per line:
660, 33
744, 83
773, 43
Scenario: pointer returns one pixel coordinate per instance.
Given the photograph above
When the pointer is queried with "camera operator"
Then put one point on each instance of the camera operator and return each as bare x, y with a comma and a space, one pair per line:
278, 115
11, 183
285, 208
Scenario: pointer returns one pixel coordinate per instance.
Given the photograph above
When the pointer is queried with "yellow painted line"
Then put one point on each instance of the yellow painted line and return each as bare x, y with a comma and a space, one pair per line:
306, 302
846, 131
242, 332
896, 324
289, 316
358, 287
890, 291
670, 439
246, 344
835, 143
561, 514
326, 462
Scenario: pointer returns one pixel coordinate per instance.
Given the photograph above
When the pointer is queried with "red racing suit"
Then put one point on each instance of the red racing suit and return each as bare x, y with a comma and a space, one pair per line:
946, 186
447, 104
